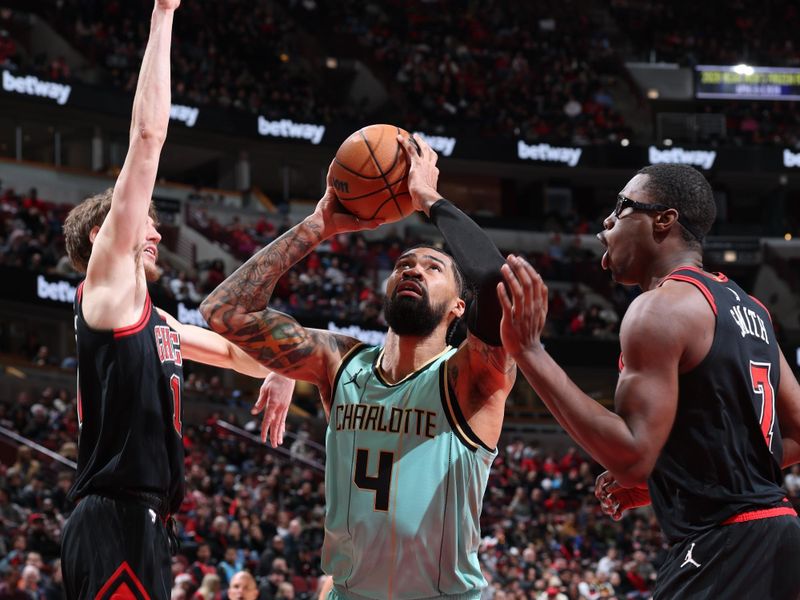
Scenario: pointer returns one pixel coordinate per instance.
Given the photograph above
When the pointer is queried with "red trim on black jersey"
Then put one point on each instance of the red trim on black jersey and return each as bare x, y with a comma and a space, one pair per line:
715, 276
79, 291
766, 513
757, 301
123, 585
699, 285
139, 325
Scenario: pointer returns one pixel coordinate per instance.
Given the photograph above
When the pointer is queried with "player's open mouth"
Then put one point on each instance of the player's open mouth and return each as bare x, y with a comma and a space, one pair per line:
409, 288
603, 261
151, 252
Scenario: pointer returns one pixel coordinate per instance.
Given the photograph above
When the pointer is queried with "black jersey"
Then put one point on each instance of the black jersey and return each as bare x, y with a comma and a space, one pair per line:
723, 455
129, 408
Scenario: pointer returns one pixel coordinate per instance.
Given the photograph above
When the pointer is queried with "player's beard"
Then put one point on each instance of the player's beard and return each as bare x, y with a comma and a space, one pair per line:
408, 315
152, 272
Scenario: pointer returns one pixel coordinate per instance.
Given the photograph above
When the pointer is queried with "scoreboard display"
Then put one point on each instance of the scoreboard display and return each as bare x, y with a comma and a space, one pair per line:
743, 82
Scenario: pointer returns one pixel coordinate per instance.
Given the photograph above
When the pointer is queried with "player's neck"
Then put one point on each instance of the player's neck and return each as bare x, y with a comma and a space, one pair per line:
404, 355
664, 265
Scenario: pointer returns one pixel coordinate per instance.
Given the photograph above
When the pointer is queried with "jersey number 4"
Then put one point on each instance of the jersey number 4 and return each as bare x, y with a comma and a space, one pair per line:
762, 387
380, 483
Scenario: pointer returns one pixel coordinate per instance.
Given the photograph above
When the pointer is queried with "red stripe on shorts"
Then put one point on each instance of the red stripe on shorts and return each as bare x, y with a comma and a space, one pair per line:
766, 513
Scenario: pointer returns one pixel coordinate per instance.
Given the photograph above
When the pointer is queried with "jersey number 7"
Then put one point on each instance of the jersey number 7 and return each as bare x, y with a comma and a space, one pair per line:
380, 483
762, 387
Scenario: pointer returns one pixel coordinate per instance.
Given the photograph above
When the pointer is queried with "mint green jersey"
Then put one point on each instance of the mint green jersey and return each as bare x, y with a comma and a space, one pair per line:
404, 483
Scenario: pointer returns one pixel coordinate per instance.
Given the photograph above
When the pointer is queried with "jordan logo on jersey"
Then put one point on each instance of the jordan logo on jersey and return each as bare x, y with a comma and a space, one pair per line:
168, 343
689, 560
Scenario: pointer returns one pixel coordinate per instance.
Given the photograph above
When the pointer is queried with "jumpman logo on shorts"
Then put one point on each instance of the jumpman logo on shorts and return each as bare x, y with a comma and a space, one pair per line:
689, 560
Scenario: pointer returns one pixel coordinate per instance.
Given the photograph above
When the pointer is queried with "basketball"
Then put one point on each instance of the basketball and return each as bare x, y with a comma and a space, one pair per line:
370, 174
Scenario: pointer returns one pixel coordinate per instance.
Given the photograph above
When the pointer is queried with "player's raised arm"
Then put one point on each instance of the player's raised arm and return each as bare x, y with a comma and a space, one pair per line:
238, 309
481, 372
627, 443
119, 241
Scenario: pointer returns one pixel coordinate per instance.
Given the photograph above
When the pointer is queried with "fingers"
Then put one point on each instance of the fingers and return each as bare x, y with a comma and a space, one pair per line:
505, 301
265, 423
417, 148
514, 285
601, 482
282, 428
410, 146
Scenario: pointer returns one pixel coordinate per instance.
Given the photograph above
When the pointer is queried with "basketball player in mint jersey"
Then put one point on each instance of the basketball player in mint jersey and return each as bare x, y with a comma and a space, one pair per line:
413, 425
130, 357
707, 409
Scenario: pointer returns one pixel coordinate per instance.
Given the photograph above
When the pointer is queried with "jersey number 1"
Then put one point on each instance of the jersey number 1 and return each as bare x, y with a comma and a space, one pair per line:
175, 386
379, 483
759, 374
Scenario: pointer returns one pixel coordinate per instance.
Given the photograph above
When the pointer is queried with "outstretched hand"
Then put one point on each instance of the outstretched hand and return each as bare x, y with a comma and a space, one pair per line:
168, 4
336, 218
615, 499
274, 399
423, 174
523, 297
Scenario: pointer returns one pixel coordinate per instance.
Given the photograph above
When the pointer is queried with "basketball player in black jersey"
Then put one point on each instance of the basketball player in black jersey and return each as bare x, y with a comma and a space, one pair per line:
707, 408
130, 356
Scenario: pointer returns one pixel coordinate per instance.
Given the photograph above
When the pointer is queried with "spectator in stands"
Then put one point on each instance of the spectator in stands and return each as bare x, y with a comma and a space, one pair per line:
209, 589
242, 587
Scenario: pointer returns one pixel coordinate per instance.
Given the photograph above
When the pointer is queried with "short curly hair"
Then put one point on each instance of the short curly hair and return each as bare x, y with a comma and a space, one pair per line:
685, 189
81, 220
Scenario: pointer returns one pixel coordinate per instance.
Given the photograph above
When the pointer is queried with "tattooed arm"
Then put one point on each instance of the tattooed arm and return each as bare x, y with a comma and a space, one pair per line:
238, 309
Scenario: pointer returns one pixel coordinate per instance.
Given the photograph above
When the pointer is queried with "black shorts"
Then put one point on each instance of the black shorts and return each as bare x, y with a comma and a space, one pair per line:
754, 560
112, 546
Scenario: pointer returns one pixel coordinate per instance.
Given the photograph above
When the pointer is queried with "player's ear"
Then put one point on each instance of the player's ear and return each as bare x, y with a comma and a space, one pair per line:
665, 220
93, 233
459, 307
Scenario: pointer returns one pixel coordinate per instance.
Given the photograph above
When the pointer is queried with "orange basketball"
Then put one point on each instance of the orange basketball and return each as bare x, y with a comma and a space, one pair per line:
370, 174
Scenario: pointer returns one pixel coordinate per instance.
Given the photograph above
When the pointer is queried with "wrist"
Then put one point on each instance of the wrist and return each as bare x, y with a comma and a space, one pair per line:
316, 228
530, 354
426, 199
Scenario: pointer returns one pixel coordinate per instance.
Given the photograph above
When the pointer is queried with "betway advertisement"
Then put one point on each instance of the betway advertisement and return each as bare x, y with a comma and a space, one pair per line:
41, 289
534, 154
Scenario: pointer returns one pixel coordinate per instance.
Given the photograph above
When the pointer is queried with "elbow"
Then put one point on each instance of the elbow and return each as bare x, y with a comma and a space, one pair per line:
149, 136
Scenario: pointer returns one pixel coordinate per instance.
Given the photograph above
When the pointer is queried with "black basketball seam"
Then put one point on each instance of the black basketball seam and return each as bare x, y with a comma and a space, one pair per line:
380, 170
376, 191
349, 170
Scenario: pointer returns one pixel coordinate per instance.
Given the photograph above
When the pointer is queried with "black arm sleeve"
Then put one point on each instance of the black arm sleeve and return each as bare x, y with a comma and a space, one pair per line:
480, 261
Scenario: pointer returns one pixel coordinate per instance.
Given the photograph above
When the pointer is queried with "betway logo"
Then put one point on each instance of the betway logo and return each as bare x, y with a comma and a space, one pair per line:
699, 158
33, 86
442, 145
286, 128
368, 336
548, 153
790, 159
185, 114
58, 291
190, 316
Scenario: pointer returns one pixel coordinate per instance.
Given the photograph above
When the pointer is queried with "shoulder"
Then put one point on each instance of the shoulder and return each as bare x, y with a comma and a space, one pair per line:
662, 323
